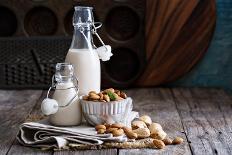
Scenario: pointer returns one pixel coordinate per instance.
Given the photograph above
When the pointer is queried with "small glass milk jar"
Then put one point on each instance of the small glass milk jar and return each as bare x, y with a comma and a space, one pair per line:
64, 108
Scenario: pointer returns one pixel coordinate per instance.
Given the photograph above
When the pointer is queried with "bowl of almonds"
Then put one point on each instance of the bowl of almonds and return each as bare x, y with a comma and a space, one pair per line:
108, 106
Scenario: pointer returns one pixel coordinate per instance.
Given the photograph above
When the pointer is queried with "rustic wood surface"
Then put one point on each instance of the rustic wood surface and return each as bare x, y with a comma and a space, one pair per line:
201, 116
178, 33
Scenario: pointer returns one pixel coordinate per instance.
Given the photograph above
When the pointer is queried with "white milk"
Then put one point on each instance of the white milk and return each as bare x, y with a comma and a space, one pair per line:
70, 115
87, 69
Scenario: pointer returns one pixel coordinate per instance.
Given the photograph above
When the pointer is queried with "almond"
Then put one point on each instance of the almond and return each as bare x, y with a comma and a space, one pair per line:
146, 119
109, 90
177, 140
101, 96
101, 131
123, 95
126, 129
160, 135
118, 98
100, 126
167, 141
107, 126
138, 124
158, 144
155, 127
117, 132
106, 97
94, 96
130, 134
110, 130
117, 92
86, 97
92, 92
117, 125
142, 132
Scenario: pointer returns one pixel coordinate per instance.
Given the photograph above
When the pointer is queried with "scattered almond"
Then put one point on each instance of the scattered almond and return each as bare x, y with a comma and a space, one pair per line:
177, 140
154, 127
97, 127
101, 131
117, 132
130, 134
138, 124
110, 130
160, 135
126, 129
146, 119
167, 141
117, 125
107, 126
142, 132
158, 144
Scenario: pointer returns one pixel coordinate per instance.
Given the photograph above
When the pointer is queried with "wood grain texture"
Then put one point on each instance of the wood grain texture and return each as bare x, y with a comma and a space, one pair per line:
178, 33
14, 108
159, 104
16, 148
88, 152
201, 116
203, 121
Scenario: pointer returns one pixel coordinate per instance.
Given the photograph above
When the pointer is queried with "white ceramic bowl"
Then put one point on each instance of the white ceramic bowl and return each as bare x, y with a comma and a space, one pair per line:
106, 112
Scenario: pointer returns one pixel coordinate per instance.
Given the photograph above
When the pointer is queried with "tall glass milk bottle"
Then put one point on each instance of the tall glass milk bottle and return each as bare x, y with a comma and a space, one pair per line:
82, 53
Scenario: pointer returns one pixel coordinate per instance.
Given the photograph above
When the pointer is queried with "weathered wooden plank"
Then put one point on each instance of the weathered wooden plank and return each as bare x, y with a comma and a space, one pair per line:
159, 104
225, 106
17, 149
14, 108
203, 121
88, 152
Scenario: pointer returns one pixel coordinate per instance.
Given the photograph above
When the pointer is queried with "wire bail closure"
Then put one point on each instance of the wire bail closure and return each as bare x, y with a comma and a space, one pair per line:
54, 84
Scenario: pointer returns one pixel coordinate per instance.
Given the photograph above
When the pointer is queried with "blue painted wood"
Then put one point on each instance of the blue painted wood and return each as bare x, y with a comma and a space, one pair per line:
215, 69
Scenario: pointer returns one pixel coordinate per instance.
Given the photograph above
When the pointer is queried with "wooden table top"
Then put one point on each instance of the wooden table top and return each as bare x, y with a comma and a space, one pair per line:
203, 117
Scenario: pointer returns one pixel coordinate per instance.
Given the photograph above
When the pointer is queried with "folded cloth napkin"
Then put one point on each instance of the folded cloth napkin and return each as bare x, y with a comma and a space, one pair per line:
41, 134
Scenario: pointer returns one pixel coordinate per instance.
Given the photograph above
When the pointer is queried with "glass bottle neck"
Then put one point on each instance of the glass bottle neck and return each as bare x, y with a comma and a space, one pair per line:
82, 39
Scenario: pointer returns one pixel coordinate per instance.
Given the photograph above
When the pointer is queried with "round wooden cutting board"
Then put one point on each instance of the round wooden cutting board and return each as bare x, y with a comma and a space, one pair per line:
178, 33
